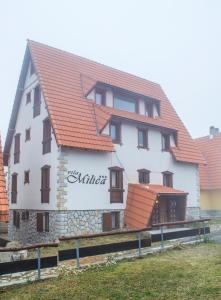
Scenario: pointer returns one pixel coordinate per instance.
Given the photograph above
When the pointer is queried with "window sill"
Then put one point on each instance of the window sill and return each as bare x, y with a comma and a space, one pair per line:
145, 148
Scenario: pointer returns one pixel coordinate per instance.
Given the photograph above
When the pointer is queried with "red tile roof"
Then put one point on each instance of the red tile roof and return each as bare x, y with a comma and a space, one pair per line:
3, 194
140, 202
65, 78
210, 174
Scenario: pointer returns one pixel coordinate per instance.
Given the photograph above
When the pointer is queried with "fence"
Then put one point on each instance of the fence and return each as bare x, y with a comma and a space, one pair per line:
79, 252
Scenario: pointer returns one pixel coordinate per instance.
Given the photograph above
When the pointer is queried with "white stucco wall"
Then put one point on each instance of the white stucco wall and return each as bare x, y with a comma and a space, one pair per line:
31, 157
129, 157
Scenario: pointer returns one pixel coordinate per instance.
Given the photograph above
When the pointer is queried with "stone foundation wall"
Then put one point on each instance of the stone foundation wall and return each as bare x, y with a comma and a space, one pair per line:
60, 223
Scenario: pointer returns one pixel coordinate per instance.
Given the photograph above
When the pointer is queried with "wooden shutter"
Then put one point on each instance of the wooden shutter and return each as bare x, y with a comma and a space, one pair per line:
47, 221
39, 222
45, 184
107, 222
14, 188
46, 136
17, 148
37, 102
116, 192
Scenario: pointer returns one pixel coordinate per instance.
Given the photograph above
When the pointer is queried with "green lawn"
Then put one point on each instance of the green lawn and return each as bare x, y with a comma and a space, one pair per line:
189, 273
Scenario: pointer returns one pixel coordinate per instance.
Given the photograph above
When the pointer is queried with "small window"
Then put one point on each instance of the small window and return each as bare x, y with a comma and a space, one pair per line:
165, 142
45, 184
37, 102
14, 188
16, 218
17, 148
144, 176
111, 221
28, 134
149, 109
116, 185
28, 98
26, 177
32, 68
168, 179
43, 222
142, 138
115, 132
46, 136
100, 97
25, 215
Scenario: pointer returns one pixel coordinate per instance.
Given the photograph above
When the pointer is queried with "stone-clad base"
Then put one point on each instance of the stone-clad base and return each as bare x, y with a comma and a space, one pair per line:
61, 223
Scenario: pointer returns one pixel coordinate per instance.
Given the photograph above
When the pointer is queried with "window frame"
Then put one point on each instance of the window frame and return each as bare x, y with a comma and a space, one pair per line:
117, 191
149, 109
32, 68
102, 92
107, 221
145, 136
42, 222
126, 99
45, 190
46, 141
166, 143
118, 132
28, 98
167, 179
142, 173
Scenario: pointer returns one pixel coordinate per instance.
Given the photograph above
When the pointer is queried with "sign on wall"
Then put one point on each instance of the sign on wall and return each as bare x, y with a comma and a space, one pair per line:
78, 177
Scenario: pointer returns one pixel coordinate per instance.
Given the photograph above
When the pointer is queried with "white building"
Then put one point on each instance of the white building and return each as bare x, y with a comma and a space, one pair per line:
79, 133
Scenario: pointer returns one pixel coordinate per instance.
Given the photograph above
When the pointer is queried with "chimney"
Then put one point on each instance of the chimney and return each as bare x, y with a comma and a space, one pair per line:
213, 131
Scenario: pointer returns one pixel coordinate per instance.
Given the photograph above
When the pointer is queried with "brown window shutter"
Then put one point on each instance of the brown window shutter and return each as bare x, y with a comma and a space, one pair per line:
46, 136
17, 148
47, 221
14, 188
107, 222
45, 184
39, 222
37, 102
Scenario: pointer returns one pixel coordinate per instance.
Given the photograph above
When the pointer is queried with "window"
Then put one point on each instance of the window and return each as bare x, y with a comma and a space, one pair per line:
25, 215
168, 179
17, 148
126, 104
32, 68
14, 188
111, 221
142, 138
115, 132
116, 185
165, 142
37, 102
46, 136
16, 219
26, 177
100, 97
149, 109
28, 98
43, 222
144, 176
45, 184
28, 134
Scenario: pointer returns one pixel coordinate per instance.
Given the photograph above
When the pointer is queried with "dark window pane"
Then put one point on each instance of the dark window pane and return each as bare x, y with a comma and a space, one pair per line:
46, 136
37, 102
124, 104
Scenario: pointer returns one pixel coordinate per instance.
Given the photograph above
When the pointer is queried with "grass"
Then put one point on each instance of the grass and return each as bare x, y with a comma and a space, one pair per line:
188, 273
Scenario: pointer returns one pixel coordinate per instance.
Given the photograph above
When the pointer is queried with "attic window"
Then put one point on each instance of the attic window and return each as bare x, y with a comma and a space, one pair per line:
32, 68
37, 101
28, 98
124, 103
100, 97
149, 109
165, 141
26, 177
28, 134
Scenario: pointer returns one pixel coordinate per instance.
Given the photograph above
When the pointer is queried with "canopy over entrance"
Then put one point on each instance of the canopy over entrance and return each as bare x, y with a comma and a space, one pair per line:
3, 194
151, 203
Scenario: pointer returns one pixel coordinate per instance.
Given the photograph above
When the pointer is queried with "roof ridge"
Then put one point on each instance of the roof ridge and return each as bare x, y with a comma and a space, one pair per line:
94, 61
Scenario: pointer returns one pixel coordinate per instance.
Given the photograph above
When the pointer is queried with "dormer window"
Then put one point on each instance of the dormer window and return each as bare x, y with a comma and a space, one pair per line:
115, 132
149, 109
100, 97
124, 103
165, 141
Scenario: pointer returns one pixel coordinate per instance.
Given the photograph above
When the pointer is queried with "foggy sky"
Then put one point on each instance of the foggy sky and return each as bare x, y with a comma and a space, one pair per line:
174, 43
